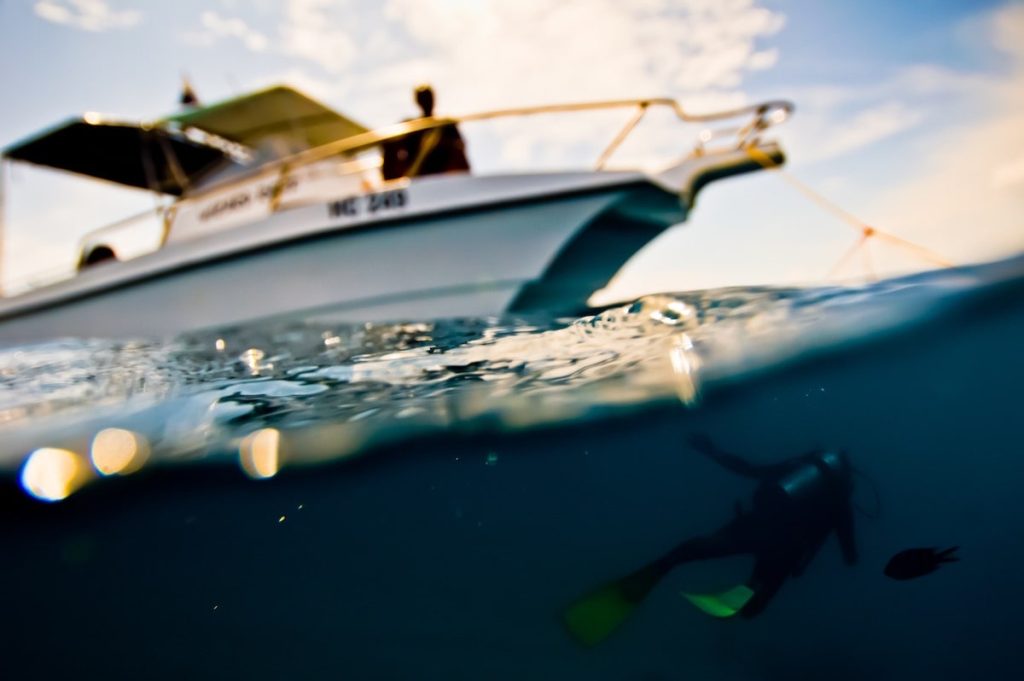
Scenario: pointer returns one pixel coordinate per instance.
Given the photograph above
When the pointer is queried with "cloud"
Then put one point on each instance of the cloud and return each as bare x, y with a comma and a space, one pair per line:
835, 121
483, 54
866, 127
323, 89
312, 31
491, 53
86, 15
1007, 31
216, 27
1006, 175
965, 192
966, 198
548, 49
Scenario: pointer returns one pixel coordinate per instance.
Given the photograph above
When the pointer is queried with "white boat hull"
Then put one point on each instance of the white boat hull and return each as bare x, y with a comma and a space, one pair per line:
477, 262
440, 247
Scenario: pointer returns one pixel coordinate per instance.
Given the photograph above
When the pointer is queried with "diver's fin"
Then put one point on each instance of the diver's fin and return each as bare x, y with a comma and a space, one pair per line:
724, 604
595, 616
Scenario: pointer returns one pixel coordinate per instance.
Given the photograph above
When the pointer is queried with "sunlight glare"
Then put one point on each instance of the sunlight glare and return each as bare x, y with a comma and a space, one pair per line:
259, 453
52, 474
118, 452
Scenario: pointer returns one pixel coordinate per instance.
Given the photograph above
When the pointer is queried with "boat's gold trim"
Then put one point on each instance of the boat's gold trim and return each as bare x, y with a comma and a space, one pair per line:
762, 116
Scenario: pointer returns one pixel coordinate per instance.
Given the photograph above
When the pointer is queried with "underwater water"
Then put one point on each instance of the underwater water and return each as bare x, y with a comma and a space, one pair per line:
305, 499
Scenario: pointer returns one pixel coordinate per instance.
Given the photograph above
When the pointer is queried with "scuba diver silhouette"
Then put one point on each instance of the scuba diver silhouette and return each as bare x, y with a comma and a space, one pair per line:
797, 504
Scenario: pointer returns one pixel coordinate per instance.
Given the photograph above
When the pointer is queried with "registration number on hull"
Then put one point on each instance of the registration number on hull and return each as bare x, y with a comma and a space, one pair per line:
368, 204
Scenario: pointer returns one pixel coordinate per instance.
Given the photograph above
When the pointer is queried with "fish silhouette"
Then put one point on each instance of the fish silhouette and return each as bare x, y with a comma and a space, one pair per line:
914, 563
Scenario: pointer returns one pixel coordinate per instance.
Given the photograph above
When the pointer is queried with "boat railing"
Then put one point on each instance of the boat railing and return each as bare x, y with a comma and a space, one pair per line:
732, 128
756, 119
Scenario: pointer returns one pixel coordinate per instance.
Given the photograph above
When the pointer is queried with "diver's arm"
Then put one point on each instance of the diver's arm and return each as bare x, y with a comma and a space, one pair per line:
703, 444
844, 530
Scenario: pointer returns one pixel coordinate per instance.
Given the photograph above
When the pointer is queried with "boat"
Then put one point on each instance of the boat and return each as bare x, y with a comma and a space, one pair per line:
272, 203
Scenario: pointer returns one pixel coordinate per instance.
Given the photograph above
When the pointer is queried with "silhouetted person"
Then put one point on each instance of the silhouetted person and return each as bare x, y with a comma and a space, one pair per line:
188, 98
425, 152
424, 96
797, 504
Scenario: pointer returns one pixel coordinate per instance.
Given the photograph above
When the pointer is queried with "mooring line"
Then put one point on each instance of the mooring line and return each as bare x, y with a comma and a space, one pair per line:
866, 231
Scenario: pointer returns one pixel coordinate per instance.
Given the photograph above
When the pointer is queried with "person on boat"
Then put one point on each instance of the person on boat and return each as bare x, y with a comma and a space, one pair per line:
425, 152
188, 98
796, 505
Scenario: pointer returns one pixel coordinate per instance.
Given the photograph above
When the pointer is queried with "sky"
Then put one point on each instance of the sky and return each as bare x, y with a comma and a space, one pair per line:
909, 116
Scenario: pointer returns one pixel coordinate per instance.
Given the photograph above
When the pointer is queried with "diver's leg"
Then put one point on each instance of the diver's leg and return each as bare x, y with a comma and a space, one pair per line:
597, 614
769, 574
724, 542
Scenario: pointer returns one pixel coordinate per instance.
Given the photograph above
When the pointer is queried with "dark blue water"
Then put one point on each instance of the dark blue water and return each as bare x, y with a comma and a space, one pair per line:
424, 500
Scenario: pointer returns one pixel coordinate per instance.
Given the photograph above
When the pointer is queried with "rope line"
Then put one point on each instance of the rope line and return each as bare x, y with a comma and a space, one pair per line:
867, 232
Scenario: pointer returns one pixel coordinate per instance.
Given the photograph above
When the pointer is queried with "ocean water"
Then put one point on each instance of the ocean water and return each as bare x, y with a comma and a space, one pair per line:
306, 499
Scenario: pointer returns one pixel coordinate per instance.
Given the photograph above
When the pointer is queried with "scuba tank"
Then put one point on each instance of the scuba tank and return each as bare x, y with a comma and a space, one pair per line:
815, 476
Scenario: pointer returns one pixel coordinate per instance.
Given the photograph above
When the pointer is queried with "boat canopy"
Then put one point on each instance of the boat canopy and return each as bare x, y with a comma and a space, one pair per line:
277, 112
130, 154
161, 157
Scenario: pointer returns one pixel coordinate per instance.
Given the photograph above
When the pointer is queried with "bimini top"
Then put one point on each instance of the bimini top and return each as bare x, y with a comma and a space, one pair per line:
277, 112
130, 154
163, 157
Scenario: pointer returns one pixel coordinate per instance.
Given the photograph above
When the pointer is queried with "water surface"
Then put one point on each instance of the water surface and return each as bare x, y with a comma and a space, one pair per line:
297, 498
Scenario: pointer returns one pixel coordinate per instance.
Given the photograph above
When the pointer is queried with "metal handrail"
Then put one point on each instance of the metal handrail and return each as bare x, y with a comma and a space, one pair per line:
764, 115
